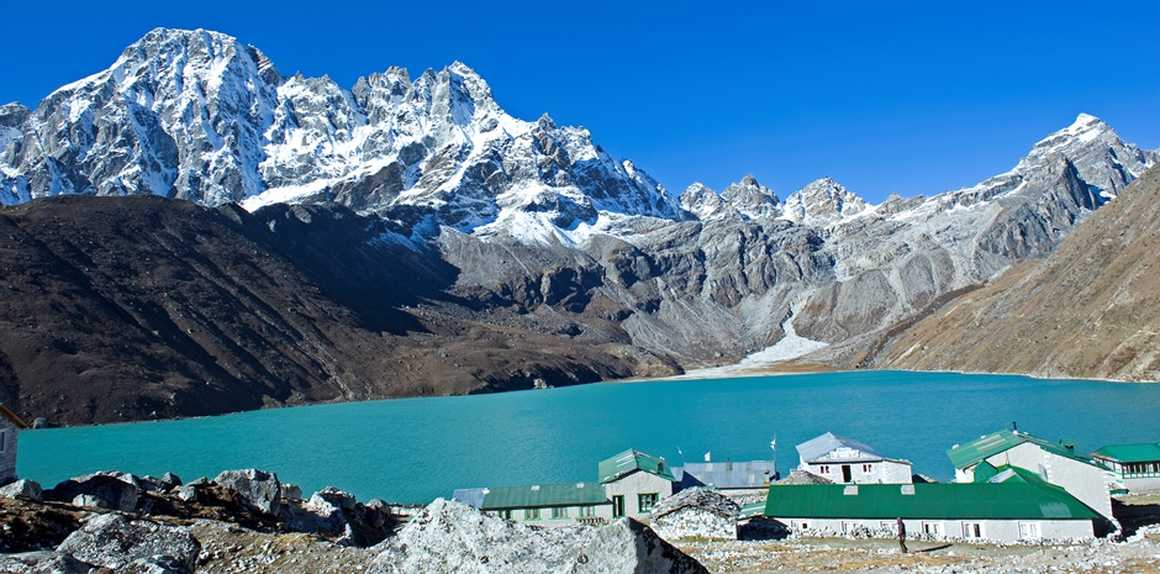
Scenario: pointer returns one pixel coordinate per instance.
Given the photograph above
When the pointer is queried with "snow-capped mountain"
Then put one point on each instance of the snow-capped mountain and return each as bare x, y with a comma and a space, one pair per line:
823, 202
531, 213
198, 115
746, 199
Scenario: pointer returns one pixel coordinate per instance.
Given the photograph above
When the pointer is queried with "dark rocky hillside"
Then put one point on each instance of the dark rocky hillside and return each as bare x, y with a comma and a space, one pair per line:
128, 308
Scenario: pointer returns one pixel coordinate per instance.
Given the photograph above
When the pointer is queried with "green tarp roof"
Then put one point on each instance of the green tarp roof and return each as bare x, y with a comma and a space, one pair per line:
965, 455
1130, 452
630, 461
1008, 500
544, 495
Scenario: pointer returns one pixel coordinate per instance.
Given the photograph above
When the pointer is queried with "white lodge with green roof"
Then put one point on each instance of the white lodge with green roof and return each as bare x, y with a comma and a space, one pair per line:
1056, 463
629, 484
1134, 467
1011, 511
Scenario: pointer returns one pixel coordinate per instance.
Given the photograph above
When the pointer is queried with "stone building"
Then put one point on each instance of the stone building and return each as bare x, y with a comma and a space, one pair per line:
696, 513
846, 461
10, 426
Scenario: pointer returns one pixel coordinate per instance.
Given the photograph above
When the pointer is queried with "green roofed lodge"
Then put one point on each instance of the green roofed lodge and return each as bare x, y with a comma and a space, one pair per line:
1056, 462
1134, 467
628, 484
1014, 510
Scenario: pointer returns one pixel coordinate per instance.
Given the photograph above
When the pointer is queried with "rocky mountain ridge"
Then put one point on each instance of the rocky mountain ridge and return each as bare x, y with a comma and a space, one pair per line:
416, 217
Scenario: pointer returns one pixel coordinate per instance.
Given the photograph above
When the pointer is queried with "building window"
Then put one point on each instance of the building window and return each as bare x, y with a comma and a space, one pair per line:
866, 468
645, 502
824, 469
3, 440
932, 529
559, 512
805, 525
972, 530
587, 511
532, 514
618, 506
1028, 530
505, 514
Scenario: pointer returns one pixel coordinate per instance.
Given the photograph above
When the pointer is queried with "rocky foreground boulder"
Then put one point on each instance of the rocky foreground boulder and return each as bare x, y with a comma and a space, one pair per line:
450, 537
113, 542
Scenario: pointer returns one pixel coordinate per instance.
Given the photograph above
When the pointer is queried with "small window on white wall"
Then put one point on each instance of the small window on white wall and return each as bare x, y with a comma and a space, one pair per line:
1029, 531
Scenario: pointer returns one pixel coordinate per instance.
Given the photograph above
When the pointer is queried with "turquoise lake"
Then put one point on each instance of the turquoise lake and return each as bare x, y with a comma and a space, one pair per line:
413, 450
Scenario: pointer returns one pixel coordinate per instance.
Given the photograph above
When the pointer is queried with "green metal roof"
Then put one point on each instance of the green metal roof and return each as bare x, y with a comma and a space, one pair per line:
544, 495
630, 461
965, 455
985, 471
1130, 452
1008, 500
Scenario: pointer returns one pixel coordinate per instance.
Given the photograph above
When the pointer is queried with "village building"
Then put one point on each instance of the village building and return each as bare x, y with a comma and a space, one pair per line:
10, 426
1055, 463
845, 461
738, 479
1014, 510
1134, 467
630, 484
697, 512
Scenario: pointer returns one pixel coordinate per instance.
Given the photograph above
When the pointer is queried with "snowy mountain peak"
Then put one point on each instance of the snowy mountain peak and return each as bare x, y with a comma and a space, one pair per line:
1101, 157
702, 202
823, 202
751, 199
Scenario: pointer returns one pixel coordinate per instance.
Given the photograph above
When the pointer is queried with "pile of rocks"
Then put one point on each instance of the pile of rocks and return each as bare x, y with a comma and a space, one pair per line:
451, 537
251, 498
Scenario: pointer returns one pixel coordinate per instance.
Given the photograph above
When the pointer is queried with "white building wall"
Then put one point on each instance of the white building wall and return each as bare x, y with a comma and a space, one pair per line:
1141, 484
634, 484
1085, 482
880, 472
989, 530
571, 515
7, 451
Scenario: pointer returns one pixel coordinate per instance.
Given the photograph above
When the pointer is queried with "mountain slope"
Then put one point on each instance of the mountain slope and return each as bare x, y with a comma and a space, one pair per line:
128, 308
1090, 309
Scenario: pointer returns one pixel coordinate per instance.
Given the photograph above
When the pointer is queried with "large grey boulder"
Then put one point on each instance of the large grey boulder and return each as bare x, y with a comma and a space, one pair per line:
109, 490
449, 537
43, 562
114, 541
629, 547
259, 490
23, 489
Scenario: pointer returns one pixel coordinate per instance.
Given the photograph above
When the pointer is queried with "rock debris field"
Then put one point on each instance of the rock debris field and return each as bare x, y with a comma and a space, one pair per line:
249, 521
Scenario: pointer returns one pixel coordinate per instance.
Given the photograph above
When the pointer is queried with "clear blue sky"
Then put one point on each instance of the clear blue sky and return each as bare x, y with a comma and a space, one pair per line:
914, 98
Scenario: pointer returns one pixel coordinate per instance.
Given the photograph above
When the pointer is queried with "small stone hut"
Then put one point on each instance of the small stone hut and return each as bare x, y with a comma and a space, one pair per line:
696, 513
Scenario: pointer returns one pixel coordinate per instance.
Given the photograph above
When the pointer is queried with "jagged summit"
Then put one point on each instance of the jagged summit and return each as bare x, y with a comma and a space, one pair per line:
199, 115
196, 114
823, 202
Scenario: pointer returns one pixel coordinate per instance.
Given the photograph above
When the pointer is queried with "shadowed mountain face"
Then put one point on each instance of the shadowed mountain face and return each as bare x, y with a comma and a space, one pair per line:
1090, 309
408, 236
128, 308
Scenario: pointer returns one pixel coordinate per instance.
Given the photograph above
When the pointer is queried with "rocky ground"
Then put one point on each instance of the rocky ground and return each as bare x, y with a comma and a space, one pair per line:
248, 521
1140, 554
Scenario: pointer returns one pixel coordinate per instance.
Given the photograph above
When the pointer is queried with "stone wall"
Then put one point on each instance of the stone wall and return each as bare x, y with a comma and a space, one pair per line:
7, 451
692, 522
